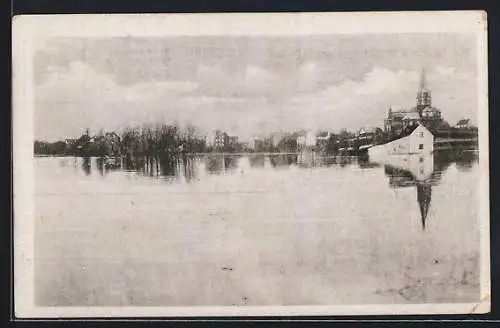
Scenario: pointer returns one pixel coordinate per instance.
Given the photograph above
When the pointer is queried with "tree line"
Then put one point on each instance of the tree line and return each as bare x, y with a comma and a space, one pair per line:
152, 141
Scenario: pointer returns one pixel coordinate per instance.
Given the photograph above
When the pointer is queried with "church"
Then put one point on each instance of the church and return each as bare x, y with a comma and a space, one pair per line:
423, 112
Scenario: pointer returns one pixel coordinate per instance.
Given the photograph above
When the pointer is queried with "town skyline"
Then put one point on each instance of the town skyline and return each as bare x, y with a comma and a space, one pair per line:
247, 86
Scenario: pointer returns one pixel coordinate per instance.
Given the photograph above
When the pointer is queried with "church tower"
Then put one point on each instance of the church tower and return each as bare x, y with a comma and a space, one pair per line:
423, 94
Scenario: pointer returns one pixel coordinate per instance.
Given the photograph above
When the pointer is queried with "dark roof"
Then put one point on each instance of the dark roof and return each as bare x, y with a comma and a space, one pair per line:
464, 121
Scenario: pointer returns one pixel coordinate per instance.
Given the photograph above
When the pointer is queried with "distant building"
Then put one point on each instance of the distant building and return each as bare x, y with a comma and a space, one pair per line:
323, 136
367, 132
322, 139
217, 139
210, 139
276, 138
251, 143
367, 136
287, 144
305, 139
463, 124
232, 140
70, 141
397, 120
221, 139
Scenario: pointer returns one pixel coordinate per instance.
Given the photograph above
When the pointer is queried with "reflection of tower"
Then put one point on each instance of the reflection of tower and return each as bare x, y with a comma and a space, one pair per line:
424, 192
414, 170
424, 98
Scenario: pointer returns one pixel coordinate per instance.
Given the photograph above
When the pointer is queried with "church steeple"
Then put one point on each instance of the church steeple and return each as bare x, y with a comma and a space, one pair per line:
423, 80
423, 94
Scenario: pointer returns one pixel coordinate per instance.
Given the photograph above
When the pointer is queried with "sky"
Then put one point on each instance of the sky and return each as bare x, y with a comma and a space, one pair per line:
247, 86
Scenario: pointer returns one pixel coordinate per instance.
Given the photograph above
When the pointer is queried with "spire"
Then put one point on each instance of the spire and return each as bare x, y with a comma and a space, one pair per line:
424, 198
423, 80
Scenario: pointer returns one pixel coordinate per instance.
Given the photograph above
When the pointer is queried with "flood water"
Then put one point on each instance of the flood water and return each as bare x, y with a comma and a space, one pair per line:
256, 230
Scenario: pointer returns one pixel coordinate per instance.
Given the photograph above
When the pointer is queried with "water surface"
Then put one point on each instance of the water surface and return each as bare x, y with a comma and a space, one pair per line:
256, 230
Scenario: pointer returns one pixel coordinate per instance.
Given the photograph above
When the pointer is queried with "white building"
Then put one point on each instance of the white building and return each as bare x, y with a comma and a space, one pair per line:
251, 143
419, 141
323, 136
306, 139
210, 139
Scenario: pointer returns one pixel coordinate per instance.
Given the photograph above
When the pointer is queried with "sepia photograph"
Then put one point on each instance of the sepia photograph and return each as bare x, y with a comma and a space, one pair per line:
251, 164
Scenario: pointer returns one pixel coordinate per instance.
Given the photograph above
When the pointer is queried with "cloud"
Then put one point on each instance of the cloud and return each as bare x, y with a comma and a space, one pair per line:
250, 101
258, 80
251, 81
74, 98
352, 104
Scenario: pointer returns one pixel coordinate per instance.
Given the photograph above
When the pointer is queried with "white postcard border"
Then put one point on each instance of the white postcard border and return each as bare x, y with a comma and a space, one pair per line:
29, 32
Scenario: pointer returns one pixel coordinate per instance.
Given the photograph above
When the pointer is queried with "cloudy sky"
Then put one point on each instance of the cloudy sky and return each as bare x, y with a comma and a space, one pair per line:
247, 85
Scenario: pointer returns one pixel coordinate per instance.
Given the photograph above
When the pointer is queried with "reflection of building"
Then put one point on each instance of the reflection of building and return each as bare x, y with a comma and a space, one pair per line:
414, 170
307, 159
398, 120
423, 172
220, 164
283, 160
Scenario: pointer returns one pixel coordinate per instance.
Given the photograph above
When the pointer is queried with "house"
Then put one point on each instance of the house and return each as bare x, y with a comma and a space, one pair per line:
276, 138
305, 139
322, 139
463, 124
251, 143
210, 139
232, 140
416, 139
369, 133
323, 136
221, 139
288, 144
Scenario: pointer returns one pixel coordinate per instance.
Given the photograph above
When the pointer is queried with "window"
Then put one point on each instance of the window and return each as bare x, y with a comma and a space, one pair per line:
421, 134
421, 159
421, 146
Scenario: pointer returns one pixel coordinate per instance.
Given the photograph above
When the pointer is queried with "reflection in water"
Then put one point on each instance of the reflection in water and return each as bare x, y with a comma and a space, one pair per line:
285, 160
221, 164
282, 217
106, 164
86, 165
257, 160
424, 172
419, 171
